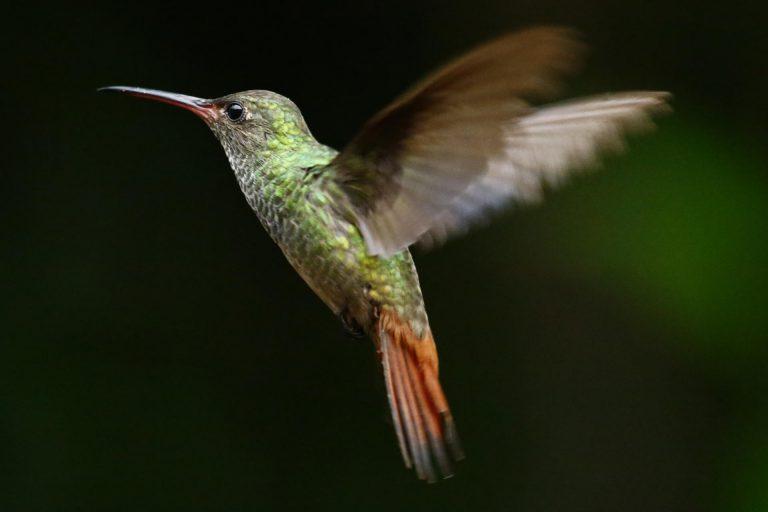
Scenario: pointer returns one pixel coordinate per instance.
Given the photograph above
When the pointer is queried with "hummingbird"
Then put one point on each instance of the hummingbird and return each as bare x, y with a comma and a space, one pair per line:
472, 137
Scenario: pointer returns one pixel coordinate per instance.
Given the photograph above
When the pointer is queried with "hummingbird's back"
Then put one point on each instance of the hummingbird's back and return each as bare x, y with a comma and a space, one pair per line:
301, 207
306, 213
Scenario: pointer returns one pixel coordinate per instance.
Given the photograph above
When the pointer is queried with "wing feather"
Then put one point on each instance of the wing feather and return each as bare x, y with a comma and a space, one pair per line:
542, 149
466, 140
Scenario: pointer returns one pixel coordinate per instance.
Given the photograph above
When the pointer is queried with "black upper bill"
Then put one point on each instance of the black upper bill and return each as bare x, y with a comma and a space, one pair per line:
199, 106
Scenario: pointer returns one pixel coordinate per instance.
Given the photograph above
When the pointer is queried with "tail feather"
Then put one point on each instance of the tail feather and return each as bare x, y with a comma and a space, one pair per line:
420, 413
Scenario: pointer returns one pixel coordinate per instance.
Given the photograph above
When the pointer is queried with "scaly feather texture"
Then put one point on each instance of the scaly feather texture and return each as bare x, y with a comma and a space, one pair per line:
463, 141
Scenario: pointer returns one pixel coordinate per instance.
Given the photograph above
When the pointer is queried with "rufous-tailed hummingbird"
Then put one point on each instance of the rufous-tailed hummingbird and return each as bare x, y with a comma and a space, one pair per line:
464, 141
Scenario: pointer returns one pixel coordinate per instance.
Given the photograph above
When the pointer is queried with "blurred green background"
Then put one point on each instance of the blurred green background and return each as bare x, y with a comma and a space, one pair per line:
604, 351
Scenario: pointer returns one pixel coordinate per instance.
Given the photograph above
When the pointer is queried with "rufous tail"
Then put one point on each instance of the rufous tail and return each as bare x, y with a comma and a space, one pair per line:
422, 419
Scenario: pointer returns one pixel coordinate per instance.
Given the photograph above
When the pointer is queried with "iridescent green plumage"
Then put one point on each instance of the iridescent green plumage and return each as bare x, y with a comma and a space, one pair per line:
464, 141
291, 184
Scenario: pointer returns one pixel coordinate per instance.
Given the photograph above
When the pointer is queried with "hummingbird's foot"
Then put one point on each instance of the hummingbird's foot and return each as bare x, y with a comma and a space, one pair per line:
351, 327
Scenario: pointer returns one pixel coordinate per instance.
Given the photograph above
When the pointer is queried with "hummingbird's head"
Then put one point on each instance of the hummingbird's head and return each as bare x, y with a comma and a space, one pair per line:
248, 124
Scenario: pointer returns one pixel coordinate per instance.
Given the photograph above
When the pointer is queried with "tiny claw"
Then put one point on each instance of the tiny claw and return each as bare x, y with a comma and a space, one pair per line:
351, 327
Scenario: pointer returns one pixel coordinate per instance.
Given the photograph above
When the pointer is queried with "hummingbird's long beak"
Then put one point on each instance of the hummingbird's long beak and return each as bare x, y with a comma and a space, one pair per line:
202, 107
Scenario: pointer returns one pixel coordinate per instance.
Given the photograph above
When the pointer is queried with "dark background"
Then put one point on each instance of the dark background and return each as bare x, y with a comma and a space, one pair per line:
605, 351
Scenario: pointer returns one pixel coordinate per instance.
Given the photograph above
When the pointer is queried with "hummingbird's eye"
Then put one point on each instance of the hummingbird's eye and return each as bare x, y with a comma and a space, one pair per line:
234, 111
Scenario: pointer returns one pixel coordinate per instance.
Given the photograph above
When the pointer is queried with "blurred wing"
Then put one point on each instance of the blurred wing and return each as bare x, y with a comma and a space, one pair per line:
541, 149
465, 140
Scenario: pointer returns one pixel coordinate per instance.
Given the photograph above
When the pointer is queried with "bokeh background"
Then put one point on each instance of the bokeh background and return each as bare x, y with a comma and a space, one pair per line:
604, 351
